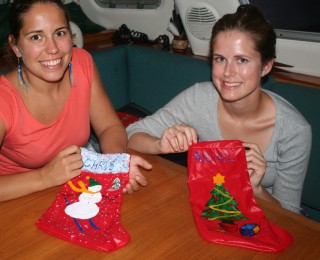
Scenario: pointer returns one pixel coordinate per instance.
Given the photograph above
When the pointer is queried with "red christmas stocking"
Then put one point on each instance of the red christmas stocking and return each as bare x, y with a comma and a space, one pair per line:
222, 201
86, 211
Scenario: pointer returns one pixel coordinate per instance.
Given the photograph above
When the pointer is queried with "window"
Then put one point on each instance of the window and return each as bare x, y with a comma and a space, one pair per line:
292, 19
129, 4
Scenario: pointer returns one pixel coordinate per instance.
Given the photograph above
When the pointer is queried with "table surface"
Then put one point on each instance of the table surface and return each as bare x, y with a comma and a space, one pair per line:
159, 221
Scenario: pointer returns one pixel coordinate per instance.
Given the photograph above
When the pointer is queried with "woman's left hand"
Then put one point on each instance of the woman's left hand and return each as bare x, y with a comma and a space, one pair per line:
256, 165
136, 178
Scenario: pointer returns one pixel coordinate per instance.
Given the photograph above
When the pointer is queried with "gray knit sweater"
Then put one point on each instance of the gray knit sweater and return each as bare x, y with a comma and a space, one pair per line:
287, 153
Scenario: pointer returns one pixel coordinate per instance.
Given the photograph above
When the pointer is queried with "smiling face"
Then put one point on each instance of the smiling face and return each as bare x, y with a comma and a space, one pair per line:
44, 43
237, 66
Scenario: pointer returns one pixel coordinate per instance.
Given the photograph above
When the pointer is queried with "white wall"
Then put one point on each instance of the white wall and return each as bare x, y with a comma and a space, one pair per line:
151, 22
304, 56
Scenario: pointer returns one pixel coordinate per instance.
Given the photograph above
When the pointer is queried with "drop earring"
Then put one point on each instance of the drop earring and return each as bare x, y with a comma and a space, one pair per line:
71, 74
22, 83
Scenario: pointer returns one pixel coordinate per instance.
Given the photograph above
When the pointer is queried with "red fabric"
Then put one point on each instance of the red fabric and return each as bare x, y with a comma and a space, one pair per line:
127, 118
101, 232
220, 192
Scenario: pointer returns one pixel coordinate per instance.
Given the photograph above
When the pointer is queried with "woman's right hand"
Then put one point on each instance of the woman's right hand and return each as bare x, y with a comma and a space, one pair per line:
63, 167
177, 139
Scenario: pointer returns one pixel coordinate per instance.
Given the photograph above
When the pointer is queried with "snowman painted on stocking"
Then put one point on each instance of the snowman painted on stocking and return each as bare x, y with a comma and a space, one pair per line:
86, 207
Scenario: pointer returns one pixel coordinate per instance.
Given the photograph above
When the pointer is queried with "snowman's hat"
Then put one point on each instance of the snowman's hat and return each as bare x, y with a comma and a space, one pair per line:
93, 184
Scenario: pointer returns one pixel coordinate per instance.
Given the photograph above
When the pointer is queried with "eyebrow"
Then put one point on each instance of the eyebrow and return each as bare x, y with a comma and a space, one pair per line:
236, 56
36, 31
61, 28
243, 56
40, 31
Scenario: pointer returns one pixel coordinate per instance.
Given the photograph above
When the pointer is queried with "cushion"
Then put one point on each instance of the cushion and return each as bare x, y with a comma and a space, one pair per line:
306, 100
4, 21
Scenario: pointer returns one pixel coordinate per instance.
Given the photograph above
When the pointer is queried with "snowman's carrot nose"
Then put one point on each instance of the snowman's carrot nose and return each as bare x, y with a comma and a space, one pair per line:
82, 188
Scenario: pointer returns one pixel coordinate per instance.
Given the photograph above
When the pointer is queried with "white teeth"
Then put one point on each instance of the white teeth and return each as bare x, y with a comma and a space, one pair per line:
51, 62
232, 84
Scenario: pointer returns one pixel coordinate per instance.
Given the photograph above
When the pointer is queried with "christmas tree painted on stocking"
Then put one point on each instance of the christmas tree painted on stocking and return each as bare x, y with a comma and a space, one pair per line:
222, 206
225, 211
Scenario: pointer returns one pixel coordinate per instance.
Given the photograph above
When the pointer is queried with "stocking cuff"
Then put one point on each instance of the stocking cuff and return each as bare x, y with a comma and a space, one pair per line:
102, 163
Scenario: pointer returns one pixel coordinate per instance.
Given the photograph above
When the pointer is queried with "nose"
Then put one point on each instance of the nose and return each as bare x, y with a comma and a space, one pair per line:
52, 47
229, 69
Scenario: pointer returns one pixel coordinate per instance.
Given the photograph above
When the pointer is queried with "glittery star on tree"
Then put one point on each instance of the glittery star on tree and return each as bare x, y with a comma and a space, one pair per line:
218, 179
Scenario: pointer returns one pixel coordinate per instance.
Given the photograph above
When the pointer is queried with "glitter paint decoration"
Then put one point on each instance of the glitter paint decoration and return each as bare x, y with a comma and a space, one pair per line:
87, 211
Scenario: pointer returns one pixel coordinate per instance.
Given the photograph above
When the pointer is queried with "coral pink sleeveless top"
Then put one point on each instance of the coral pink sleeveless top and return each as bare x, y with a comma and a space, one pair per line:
29, 144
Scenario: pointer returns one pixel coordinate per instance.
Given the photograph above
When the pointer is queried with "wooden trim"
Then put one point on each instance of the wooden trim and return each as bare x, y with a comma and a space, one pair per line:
102, 40
278, 73
97, 41
297, 78
281, 75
